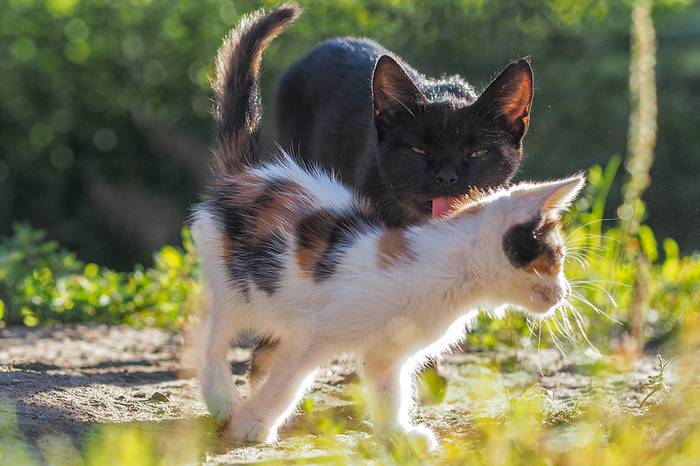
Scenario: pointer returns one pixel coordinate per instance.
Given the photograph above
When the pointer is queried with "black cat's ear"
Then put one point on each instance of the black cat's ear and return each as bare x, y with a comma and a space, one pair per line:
393, 89
509, 97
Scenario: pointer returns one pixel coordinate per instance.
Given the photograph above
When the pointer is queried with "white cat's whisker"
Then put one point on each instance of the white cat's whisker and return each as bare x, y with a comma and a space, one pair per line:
578, 318
531, 329
600, 220
555, 340
565, 328
588, 249
583, 262
580, 297
539, 346
596, 285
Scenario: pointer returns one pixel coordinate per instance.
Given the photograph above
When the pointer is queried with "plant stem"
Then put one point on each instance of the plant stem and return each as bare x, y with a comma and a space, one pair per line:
643, 118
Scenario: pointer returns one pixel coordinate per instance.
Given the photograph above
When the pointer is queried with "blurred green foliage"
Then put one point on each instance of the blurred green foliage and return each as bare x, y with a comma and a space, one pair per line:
97, 94
41, 283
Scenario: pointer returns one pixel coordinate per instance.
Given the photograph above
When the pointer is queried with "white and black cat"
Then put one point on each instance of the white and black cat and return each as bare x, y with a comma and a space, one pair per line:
309, 266
410, 143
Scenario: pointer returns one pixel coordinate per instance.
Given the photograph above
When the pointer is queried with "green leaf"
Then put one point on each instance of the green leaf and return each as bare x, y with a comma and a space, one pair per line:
648, 243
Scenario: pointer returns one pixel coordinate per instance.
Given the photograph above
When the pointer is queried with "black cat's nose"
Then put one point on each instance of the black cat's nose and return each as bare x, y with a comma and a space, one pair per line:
447, 176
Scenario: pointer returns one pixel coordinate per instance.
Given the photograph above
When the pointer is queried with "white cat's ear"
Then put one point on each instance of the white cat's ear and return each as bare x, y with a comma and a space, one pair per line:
555, 197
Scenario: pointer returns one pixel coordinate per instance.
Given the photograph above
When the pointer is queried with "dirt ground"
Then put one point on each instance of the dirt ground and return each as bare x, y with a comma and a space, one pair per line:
62, 382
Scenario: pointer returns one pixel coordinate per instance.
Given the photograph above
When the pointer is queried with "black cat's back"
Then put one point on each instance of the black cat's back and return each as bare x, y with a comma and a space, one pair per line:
319, 113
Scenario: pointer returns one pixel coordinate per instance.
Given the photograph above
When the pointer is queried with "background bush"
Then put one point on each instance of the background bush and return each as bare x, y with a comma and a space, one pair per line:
104, 124
41, 283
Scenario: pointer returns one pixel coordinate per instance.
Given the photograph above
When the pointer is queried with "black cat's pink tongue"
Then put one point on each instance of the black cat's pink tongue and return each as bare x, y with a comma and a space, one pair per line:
444, 205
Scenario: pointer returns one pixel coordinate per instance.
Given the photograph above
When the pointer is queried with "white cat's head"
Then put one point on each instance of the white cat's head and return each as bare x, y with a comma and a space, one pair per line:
524, 228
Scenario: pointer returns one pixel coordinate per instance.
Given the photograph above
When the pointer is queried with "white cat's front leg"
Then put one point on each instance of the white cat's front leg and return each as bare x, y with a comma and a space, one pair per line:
392, 402
220, 392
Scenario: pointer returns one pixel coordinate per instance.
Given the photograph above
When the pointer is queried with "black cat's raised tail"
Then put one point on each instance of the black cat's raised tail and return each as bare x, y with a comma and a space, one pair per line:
237, 110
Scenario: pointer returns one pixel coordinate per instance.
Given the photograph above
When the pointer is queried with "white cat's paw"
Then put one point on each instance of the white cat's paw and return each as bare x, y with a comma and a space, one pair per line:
413, 440
248, 429
221, 404
417, 439
421, 438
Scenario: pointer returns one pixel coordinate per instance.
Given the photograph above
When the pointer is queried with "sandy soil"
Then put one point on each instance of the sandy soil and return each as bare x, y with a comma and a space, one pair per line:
64, 381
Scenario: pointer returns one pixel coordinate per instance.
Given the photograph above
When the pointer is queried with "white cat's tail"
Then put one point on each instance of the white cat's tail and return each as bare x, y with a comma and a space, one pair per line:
237, 89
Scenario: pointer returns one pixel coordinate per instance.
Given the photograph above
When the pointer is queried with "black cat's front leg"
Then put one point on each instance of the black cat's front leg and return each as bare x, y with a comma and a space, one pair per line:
391, 401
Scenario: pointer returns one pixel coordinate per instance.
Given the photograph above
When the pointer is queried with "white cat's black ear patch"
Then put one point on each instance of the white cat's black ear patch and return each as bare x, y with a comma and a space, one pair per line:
521, 244
525, 242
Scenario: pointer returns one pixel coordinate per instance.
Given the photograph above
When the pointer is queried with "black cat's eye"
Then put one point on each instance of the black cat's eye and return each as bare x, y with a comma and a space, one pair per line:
418, 150
478, 153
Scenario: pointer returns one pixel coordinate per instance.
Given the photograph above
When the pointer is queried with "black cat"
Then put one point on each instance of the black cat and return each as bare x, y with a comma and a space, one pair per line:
410, 143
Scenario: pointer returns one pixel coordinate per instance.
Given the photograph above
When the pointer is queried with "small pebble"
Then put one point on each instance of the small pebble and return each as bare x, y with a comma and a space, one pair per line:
158, 396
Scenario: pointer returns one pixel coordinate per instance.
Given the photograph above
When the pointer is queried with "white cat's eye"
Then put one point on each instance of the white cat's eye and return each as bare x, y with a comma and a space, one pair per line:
418, 150
479, 153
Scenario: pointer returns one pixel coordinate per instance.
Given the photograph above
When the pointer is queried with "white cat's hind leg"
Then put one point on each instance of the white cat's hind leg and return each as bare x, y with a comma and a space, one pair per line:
260, 362
290, 372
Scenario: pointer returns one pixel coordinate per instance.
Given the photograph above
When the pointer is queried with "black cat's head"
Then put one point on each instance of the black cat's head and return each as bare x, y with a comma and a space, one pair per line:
438, 141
